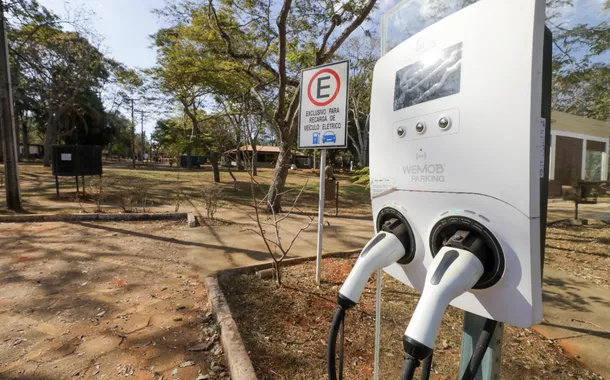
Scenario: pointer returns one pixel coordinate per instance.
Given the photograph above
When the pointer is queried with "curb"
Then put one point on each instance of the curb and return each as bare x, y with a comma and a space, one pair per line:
233, 347
251, 269
35, 218
238, 361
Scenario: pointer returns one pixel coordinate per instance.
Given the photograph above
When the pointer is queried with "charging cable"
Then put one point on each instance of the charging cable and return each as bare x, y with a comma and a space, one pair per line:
386, 248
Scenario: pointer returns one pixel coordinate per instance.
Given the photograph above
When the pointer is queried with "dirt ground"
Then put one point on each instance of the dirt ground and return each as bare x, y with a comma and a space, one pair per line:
285, 330
583, 252
92, 302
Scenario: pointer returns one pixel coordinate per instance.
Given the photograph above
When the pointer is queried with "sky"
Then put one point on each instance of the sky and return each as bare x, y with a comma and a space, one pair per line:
126, 25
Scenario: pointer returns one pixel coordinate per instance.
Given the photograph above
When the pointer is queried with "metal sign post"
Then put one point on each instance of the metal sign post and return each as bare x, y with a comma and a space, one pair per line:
323, 123
320, 216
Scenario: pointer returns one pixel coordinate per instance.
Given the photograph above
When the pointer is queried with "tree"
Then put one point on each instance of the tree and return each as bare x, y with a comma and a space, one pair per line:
247, 40
362, 53
581, 78
63, 67
256, 127
120, 143
190, 76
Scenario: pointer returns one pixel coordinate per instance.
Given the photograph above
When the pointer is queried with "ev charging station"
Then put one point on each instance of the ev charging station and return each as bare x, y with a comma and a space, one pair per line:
459, 136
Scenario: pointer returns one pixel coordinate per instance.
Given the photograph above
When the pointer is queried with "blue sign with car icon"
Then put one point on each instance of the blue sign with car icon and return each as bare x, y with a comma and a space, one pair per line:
329, 137
316, 138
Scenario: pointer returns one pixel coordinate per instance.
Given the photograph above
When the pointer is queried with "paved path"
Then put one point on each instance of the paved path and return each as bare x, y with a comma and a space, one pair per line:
238, 244
577, 316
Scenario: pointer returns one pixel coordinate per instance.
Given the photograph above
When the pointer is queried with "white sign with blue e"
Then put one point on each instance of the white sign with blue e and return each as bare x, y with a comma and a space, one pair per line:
323, 111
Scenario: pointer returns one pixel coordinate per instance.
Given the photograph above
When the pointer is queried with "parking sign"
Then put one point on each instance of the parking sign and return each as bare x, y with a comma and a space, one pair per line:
323, 111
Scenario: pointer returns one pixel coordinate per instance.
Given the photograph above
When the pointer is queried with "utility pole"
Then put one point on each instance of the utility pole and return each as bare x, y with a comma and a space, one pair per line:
142, 133
9, 139
133, 136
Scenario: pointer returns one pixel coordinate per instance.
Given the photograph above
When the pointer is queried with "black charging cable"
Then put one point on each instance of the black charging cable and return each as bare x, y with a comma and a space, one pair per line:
479, 351
408, 369
426, 367
336, 327
411, 363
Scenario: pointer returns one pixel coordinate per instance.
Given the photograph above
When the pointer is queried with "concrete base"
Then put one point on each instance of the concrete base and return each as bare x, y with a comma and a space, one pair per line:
192, 220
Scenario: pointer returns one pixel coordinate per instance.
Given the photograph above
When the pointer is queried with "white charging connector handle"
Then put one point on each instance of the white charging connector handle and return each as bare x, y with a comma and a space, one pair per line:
453, 272
383, 250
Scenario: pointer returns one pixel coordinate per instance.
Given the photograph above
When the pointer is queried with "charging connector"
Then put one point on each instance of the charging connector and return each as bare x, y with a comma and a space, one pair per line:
384, 249
390, 245
455, 270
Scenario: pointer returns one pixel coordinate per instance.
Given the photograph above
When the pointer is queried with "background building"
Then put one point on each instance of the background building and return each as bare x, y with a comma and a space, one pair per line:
579, 151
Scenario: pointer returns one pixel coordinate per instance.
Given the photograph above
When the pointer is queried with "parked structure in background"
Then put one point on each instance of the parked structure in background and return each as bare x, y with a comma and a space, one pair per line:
35, 150
266, 157
579, 151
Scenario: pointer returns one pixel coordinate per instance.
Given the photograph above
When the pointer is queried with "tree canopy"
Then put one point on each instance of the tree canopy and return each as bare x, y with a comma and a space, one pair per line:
59, 75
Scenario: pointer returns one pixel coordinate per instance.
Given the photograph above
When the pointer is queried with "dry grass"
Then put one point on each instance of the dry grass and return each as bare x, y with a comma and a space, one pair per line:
285, 330
38, 188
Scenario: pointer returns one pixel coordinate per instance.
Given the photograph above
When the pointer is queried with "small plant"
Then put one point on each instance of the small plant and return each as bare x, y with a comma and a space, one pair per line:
211, 195
362, 177
270, 230
98, 189
178, 193
134, 195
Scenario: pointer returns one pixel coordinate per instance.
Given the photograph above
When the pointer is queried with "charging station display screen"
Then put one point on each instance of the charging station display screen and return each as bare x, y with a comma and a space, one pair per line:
436, 75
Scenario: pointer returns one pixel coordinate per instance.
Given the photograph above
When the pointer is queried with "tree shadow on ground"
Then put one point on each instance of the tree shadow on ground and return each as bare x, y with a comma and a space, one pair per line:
569, 298
579, 330
61, 306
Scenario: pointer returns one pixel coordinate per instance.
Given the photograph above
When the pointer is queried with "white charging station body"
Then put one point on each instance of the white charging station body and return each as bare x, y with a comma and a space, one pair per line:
456, 131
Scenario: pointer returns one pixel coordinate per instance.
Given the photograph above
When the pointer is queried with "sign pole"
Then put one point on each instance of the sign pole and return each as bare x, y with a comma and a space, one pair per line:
323, 124
320, 216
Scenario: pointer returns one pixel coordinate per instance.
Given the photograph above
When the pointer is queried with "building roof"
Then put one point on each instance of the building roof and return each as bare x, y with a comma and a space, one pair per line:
561, 121
266, 149
259, 149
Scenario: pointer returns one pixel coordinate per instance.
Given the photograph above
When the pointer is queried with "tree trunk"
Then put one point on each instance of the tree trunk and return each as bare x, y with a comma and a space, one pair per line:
214, 161
281, 172
189, 157
362, 159
278, 273
25, 138
231, 174
50, 139
239, 161
8, 140
254, 161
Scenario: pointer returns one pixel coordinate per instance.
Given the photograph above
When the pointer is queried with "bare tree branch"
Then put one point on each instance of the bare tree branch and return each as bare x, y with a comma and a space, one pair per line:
347, 31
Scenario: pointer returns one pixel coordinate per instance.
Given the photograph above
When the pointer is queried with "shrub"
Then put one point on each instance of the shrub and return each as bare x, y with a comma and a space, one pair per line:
362, 176
133, 194
211, 194
99, 189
